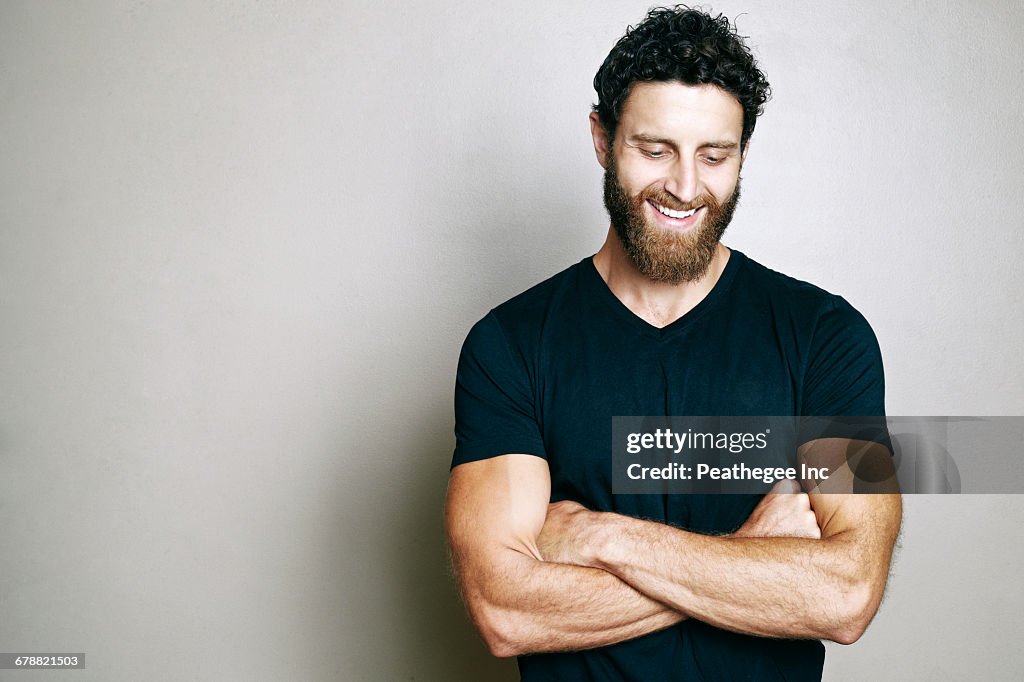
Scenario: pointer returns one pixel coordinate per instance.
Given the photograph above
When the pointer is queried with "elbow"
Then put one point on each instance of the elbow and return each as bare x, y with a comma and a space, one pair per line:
501, 647
505, 628
853, 610
847, 633
497, 627
500, 642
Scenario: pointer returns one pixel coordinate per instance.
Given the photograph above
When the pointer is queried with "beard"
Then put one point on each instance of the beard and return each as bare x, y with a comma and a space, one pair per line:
660, 254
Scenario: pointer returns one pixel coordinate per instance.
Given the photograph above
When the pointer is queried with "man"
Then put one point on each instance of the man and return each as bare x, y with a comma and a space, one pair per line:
582, 584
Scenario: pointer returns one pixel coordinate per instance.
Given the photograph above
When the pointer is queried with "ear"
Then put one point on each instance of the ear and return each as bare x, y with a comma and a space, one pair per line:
746, 148
602, 145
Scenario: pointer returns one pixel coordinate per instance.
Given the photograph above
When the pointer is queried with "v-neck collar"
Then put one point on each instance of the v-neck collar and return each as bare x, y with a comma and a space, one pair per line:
597, 283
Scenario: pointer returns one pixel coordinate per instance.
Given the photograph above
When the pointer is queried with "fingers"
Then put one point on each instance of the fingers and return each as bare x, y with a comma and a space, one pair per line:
784, 512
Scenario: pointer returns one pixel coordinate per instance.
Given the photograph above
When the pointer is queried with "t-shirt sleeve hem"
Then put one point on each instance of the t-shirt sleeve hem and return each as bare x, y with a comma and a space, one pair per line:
474, 452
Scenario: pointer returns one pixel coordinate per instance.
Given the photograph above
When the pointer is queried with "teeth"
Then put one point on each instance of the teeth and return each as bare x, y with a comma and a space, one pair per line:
675, 214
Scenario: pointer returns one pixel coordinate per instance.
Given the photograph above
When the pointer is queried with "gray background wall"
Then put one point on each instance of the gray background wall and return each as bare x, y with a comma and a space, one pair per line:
241, 243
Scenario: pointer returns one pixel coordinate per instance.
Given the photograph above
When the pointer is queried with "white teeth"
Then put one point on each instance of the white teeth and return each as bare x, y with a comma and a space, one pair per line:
675, 214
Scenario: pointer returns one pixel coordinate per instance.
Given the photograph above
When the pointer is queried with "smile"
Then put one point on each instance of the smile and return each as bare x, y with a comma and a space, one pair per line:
678, 215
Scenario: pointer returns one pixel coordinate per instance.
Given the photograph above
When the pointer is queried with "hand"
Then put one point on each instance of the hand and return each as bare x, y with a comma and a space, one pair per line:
561, 539
784, 512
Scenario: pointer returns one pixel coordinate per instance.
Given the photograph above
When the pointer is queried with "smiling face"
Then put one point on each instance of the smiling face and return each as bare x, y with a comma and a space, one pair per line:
672, 177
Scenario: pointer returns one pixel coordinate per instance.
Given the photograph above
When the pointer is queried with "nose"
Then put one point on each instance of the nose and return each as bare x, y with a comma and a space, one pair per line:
682, 181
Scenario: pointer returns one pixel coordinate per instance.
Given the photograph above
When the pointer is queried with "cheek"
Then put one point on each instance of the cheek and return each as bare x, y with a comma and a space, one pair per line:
722, 186
635, 178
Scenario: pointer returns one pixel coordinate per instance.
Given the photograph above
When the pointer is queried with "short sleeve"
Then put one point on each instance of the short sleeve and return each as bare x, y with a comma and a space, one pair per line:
844, 381
494, 405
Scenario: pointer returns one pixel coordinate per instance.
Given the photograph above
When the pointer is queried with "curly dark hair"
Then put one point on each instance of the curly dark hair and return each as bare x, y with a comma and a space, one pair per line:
686, 45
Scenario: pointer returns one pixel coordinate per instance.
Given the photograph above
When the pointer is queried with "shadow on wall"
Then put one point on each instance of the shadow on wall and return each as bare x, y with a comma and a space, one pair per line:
436, 613
388, 608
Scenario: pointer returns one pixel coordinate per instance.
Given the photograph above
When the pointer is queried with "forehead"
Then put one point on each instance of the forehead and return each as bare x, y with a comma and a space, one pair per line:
681, 112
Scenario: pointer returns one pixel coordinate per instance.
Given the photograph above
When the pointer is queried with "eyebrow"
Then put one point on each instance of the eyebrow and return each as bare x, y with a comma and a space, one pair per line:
713, 144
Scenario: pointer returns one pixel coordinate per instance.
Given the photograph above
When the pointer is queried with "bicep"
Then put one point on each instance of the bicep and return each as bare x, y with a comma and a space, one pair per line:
858, 505
495, 505
871, 521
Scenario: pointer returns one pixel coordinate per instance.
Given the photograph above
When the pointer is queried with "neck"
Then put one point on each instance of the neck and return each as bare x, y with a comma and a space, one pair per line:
658, 303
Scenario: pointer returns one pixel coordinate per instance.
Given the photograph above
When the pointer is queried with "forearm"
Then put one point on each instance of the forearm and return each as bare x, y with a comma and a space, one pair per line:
522, 605
776, 587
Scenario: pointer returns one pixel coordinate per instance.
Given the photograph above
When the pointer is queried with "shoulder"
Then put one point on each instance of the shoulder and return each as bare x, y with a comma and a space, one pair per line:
496, 379
775, 284
532, 305
838, 355
524, 316
800, 299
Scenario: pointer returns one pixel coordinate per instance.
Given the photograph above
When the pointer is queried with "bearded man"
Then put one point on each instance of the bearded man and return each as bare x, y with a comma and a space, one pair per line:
584, 584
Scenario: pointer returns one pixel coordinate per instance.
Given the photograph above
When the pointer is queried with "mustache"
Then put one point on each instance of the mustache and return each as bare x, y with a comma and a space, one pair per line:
673, 203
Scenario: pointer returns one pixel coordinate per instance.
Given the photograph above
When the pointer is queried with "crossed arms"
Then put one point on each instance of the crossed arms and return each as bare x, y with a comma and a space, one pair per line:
539, 577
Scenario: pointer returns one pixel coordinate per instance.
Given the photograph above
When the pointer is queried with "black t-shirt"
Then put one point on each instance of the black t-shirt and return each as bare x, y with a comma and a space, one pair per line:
544, 373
